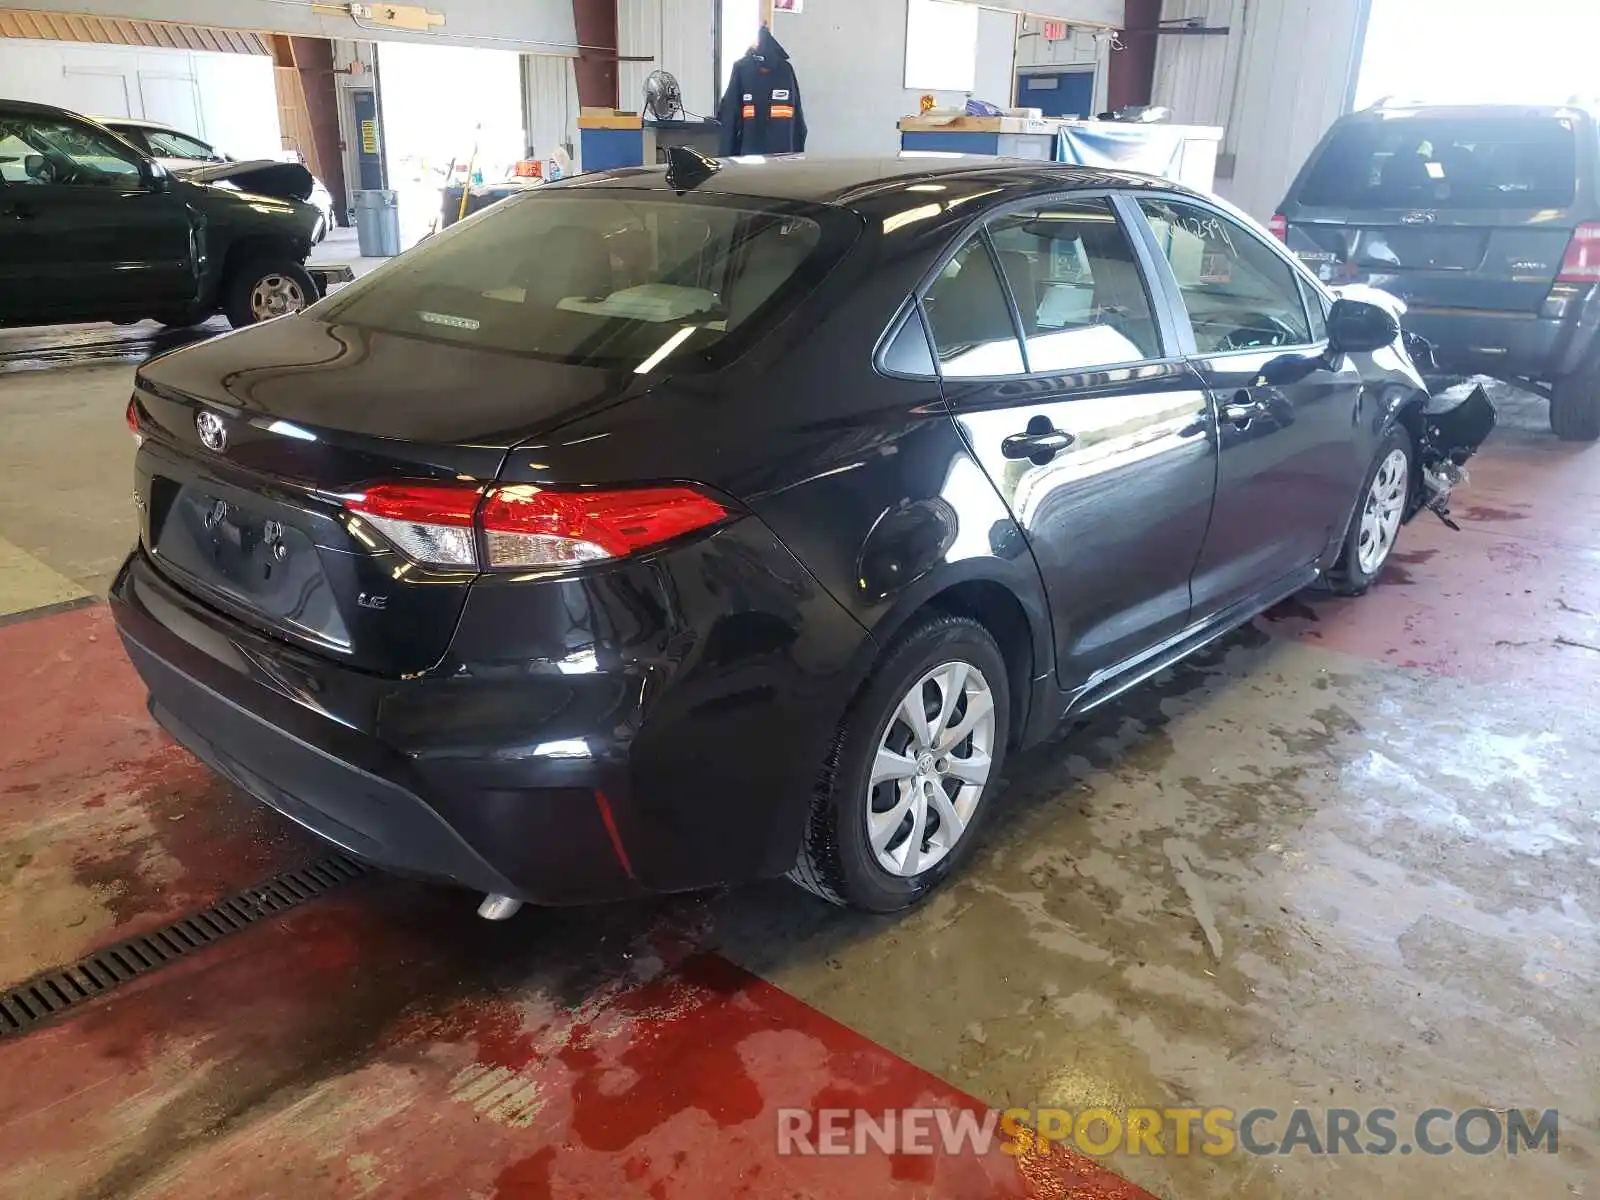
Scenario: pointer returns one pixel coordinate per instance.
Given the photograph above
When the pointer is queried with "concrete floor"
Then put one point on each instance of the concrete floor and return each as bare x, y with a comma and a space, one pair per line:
1346, 859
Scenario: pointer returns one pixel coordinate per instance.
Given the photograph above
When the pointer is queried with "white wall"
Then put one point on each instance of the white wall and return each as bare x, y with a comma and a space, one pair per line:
1275, 84
532, 25
227, 99
850, 59
997, 50
681, 36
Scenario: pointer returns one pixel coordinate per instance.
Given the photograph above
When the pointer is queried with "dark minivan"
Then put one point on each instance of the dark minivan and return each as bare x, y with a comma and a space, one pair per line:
1485, 220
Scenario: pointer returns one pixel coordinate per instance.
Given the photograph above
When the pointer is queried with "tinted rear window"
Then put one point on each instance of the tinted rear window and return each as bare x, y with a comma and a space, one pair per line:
1424, 162
602, 277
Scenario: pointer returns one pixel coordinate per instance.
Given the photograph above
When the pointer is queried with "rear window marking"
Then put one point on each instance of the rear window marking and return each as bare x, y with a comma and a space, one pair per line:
433, 318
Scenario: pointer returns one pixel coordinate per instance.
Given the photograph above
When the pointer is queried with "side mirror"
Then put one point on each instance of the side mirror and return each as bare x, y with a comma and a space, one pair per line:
154, 176
1356, 327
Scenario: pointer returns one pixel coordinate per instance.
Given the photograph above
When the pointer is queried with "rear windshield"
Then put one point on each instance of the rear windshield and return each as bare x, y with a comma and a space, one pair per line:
602, 277
1443, 163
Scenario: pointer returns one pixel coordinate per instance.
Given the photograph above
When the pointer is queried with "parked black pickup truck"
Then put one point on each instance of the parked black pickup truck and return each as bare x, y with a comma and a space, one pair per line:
92, 229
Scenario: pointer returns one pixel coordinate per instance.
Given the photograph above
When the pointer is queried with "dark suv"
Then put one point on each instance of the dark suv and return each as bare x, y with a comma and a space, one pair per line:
1485, 221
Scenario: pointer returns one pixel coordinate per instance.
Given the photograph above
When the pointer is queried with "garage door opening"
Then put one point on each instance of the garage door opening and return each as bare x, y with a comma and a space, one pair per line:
444, 105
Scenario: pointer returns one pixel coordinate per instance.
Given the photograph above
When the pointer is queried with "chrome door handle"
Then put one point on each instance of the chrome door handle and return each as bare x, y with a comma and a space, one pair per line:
1039, 444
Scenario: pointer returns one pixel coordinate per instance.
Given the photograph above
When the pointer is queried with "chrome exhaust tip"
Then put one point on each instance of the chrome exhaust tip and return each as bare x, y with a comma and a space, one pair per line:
498, 908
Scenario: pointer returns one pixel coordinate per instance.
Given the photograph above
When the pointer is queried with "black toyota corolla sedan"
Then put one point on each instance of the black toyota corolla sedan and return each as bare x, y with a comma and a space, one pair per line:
668, 528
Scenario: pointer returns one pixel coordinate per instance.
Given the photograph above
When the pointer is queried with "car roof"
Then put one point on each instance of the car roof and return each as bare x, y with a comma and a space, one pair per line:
54, 110
850, 181
1386, 109
31, 106
137, 122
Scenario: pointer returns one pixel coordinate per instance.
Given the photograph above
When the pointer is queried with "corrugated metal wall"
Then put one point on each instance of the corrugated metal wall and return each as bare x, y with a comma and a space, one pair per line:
550, 99
1275, 84
681, 36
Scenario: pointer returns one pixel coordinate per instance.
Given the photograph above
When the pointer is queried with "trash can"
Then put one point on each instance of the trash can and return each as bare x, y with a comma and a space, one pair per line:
378, 223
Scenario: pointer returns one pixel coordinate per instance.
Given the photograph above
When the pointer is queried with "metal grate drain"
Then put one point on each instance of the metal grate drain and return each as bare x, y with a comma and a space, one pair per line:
30, 1004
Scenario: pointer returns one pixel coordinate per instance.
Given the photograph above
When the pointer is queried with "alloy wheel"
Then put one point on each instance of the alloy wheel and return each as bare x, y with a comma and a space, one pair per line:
929, 772
1380, 516
275, 296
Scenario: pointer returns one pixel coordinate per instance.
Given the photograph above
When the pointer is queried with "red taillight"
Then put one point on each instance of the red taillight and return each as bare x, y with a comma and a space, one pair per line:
430, 504
1279, 227
528, 526
132, 417
431, 523
1582, 261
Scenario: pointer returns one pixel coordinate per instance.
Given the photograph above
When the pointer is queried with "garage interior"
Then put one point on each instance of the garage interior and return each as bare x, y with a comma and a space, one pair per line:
1347, 858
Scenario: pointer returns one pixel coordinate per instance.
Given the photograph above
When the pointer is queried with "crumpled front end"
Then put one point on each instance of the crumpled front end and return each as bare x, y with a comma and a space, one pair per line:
1453, 428
263, 177
1454, 423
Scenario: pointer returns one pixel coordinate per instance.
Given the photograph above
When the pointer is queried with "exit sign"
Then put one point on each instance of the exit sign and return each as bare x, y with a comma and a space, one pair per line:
1055, 31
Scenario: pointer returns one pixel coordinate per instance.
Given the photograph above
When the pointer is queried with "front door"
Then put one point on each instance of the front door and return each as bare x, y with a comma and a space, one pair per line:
1289, 465
1098, 439
84, 232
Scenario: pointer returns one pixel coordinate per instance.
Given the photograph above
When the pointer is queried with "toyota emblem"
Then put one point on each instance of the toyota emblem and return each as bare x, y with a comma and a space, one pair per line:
213, 433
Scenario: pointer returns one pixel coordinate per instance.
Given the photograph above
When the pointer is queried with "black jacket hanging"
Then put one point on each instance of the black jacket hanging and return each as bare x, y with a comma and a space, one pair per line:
760, 112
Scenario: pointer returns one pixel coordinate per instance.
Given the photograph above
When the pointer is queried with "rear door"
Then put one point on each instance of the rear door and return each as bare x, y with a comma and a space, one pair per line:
1095, 432
1289, 464
1445, 211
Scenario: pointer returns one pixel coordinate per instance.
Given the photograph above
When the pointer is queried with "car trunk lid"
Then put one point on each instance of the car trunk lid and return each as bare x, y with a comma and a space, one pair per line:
246, 472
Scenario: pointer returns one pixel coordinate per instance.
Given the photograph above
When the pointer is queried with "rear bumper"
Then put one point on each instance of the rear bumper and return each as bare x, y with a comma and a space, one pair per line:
1508, 345
367, 814
546, 844
678, 754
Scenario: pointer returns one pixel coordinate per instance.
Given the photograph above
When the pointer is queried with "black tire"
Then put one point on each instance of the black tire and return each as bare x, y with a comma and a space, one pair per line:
1347, 578
836, 861
241, 283
1575, 407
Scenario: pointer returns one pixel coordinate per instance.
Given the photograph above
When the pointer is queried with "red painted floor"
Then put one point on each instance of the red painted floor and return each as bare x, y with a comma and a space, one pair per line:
383, 1039
339, 1053
113, 829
